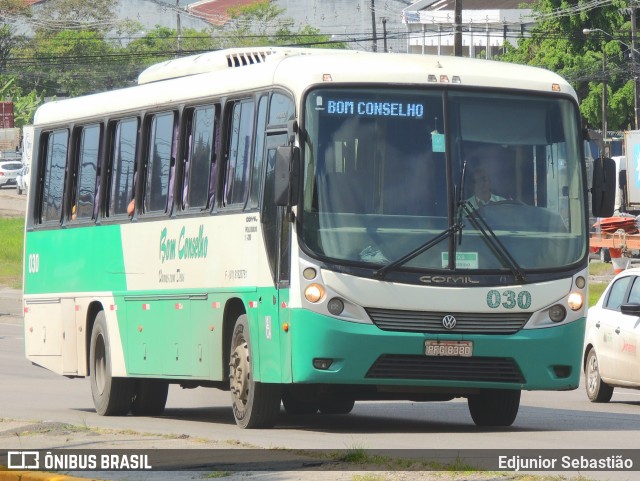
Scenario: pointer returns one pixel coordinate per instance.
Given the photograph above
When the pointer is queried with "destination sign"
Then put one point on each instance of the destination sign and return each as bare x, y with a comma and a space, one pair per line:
374, 109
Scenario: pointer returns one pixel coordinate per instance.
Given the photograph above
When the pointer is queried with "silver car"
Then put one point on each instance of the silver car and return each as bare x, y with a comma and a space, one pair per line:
612, 338
9, 171
22, 181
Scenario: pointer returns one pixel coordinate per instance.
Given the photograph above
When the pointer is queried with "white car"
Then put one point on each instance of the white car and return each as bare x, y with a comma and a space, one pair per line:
612, 338
22, 181
9, 170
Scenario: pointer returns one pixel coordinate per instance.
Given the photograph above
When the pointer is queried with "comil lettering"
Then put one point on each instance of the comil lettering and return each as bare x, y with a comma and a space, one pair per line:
375, 109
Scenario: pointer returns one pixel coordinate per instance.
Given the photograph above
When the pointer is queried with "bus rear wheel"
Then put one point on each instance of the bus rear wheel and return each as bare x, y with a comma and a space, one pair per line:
149, 397
111, 396
254, 404
494, 407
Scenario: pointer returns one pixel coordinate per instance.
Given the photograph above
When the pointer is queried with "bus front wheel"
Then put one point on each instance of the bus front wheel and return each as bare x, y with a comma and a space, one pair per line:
494, 407
254, 404
149, 397
111, 396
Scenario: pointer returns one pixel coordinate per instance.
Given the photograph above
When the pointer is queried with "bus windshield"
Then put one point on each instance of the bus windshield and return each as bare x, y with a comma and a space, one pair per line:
486, 181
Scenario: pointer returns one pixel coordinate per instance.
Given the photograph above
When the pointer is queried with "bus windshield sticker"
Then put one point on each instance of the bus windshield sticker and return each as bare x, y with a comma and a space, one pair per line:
464, 260
437, 142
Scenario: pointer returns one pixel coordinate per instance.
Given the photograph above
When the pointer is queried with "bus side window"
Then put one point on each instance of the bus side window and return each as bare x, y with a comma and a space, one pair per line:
200, 158
86, 169
258, 155
160, 162
52, 172
238, 154
123, 161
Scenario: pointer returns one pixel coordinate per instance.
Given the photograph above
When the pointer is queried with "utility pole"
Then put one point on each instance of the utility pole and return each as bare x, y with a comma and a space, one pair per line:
604, 94
178, 28
457, 20
374, 42
384, 33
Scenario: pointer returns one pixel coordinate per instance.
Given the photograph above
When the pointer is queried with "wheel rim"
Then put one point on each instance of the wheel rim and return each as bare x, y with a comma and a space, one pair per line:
240, 375
100, 364
593, 376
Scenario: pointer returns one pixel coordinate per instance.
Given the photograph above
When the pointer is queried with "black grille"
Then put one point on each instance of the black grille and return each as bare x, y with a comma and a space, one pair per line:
466, 322
483, 369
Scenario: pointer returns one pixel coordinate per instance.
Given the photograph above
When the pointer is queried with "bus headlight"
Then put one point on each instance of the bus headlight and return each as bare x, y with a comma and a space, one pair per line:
557, 313
314, 292
575, 301
335, 306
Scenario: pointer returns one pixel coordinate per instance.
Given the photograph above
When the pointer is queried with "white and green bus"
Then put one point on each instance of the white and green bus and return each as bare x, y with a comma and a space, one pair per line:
297, 226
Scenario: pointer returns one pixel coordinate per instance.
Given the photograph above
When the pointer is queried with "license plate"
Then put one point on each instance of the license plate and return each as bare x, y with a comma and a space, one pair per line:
448, 348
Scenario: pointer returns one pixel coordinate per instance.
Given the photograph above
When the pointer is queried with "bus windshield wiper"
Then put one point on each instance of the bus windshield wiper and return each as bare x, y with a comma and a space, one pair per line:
492, 241
383, 271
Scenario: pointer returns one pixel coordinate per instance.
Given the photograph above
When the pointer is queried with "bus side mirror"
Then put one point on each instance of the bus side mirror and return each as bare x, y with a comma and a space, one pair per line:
603, 190
287, 171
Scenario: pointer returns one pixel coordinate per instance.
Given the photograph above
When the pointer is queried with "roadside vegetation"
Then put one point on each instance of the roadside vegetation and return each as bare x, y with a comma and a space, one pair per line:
11, 250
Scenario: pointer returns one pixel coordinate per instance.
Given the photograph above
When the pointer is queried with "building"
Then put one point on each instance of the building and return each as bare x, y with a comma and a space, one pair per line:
485, 23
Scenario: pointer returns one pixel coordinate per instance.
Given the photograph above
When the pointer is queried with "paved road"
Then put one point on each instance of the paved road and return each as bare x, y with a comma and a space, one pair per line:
11, 204
202, 418
41, 410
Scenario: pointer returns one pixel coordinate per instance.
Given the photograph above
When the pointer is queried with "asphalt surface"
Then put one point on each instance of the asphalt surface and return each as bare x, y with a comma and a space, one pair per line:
49, 435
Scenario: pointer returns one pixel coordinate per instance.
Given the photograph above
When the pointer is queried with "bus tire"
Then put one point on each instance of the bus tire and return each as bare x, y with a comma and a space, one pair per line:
337, 406
494, 407
255, 405
597, 390
111, 395
149, 397
294, 405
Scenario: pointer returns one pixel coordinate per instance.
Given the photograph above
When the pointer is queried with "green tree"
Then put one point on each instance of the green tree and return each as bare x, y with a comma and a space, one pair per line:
58, 15
263, 23
557, 42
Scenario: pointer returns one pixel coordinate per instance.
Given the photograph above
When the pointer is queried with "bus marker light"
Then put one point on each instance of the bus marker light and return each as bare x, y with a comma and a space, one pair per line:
215, 305
309, 273
327, 77
580, 282
26, 310
456, 79
139, 328
211, 328
253, 304
146, 307
444, 79
432, 78
31, 329
555, 87
77, 308
283, 305
179, 306
285, 327
113, 307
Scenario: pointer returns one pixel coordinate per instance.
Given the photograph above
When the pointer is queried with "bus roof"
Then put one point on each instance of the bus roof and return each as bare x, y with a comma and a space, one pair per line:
226, 72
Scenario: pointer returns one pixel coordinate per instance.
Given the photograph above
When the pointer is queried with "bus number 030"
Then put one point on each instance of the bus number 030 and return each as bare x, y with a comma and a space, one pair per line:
509, 299
34, 263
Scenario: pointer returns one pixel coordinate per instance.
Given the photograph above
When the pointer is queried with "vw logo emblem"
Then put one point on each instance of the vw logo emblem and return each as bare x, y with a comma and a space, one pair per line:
448, 321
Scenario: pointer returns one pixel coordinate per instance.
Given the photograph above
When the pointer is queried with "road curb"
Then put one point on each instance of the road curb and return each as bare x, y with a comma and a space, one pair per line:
6, 475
